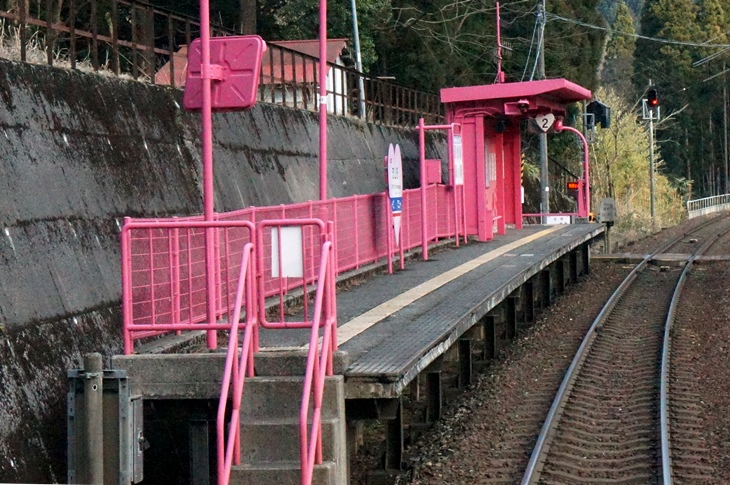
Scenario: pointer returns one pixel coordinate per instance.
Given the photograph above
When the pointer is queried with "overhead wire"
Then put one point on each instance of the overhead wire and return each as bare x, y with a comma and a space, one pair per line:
529, 53
637, 36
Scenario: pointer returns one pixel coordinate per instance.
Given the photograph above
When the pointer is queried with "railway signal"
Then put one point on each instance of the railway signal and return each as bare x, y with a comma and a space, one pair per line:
651, 113
652, 98
597, 113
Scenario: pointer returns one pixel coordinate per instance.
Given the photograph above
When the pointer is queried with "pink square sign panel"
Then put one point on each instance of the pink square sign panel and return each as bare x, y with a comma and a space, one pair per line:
235, 66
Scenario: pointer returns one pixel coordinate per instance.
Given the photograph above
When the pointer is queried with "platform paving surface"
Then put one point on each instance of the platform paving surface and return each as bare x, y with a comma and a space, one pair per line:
392, 326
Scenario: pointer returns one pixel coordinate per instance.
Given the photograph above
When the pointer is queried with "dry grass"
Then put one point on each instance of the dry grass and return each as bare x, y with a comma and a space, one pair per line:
36, 53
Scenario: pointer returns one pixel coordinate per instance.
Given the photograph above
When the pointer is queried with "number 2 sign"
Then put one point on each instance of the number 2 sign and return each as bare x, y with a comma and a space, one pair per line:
545, 122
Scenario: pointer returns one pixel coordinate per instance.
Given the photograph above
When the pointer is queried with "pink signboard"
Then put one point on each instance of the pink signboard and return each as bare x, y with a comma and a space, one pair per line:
235, 66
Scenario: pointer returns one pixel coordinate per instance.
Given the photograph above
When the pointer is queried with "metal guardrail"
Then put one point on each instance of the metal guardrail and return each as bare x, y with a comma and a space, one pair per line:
134, 38
708, 205
120, 36
163, 260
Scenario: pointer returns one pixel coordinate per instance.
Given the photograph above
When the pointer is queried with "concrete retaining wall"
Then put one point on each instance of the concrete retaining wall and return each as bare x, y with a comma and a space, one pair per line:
78, 152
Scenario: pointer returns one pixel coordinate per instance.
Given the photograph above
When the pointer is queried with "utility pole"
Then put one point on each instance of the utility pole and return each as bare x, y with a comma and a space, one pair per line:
651, 168
544, 173
358, 60
650, 107
724, 124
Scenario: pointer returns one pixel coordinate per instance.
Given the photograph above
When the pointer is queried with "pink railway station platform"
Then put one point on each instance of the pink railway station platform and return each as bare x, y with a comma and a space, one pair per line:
296, 376
397, 334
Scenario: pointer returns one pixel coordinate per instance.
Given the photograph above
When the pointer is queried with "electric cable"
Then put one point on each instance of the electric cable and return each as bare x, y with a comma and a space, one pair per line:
637, 36
529, 53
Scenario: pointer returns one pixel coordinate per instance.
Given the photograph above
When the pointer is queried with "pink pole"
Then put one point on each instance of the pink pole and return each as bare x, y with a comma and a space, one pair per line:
587, 191
500, 74
207, 114
422, 163
322, 99
127, 289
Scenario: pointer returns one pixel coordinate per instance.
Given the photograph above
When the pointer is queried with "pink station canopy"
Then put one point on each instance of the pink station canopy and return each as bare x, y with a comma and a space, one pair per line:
520, 98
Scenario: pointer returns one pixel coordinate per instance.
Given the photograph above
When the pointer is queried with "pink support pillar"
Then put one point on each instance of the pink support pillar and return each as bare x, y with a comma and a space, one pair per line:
322, 99
208, 195
422, 165
500, 181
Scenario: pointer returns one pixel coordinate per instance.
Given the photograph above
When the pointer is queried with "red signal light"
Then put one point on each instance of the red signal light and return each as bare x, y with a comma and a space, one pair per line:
573, 185
652, 98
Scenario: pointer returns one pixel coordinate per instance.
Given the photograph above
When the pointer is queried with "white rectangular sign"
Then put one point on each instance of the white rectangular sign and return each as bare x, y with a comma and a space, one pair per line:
458, 161
292, 259
557, 220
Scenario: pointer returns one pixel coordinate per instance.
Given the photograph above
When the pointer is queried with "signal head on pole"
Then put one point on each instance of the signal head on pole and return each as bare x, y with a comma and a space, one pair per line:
652, 98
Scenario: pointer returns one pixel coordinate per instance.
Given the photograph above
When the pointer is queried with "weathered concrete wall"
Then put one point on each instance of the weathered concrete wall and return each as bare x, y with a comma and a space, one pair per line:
78, 152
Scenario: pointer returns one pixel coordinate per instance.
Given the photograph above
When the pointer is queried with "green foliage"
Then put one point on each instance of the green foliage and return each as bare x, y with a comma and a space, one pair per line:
299, 19
618, 65
692, 142
620, 169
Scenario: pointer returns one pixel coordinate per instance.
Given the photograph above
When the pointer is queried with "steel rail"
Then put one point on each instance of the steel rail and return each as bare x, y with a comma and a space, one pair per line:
532, 474
666, 349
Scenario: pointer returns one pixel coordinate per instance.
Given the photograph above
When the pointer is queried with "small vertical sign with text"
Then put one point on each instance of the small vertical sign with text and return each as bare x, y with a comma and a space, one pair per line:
458, 161
395, 187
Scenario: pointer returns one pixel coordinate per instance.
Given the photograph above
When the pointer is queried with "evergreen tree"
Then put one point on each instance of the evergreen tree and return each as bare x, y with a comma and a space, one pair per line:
668, 66
618, 66
619, 170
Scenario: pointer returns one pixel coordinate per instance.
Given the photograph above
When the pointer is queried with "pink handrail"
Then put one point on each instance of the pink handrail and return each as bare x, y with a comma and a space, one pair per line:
318, 366
229, 450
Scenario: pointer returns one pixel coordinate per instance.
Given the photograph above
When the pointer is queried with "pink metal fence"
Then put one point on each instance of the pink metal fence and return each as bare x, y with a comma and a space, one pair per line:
163, 260
164, 274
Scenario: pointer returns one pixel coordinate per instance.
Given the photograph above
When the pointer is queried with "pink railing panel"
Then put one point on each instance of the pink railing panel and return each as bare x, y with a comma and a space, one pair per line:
313, 232
164, 281
163, 274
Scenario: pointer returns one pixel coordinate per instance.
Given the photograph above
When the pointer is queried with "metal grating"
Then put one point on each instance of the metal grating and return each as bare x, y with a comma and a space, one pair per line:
441, 320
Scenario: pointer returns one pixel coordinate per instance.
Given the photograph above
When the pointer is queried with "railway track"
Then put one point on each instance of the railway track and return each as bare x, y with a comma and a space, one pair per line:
605, 421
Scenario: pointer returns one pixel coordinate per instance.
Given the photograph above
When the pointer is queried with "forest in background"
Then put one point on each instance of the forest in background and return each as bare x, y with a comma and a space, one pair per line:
616, 48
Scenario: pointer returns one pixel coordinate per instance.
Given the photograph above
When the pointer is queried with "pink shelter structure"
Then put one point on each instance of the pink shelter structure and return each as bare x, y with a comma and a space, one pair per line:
489, 117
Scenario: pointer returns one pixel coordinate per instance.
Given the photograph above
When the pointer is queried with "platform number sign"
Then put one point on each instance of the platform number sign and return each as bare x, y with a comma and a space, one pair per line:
545, 122
458, 161
395, 187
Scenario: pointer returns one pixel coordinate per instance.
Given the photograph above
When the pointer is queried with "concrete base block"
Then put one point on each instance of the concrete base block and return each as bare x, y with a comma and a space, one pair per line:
293, 363
281, 474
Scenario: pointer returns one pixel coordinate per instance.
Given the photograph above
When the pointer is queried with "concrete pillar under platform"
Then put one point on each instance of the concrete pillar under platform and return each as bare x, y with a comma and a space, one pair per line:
490, 337
394, 440
585, 251
465, 363
415, 389
529, 300
511, 316
546, 288
560, 276
354, 437
199, 451
573, 259
434, 396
